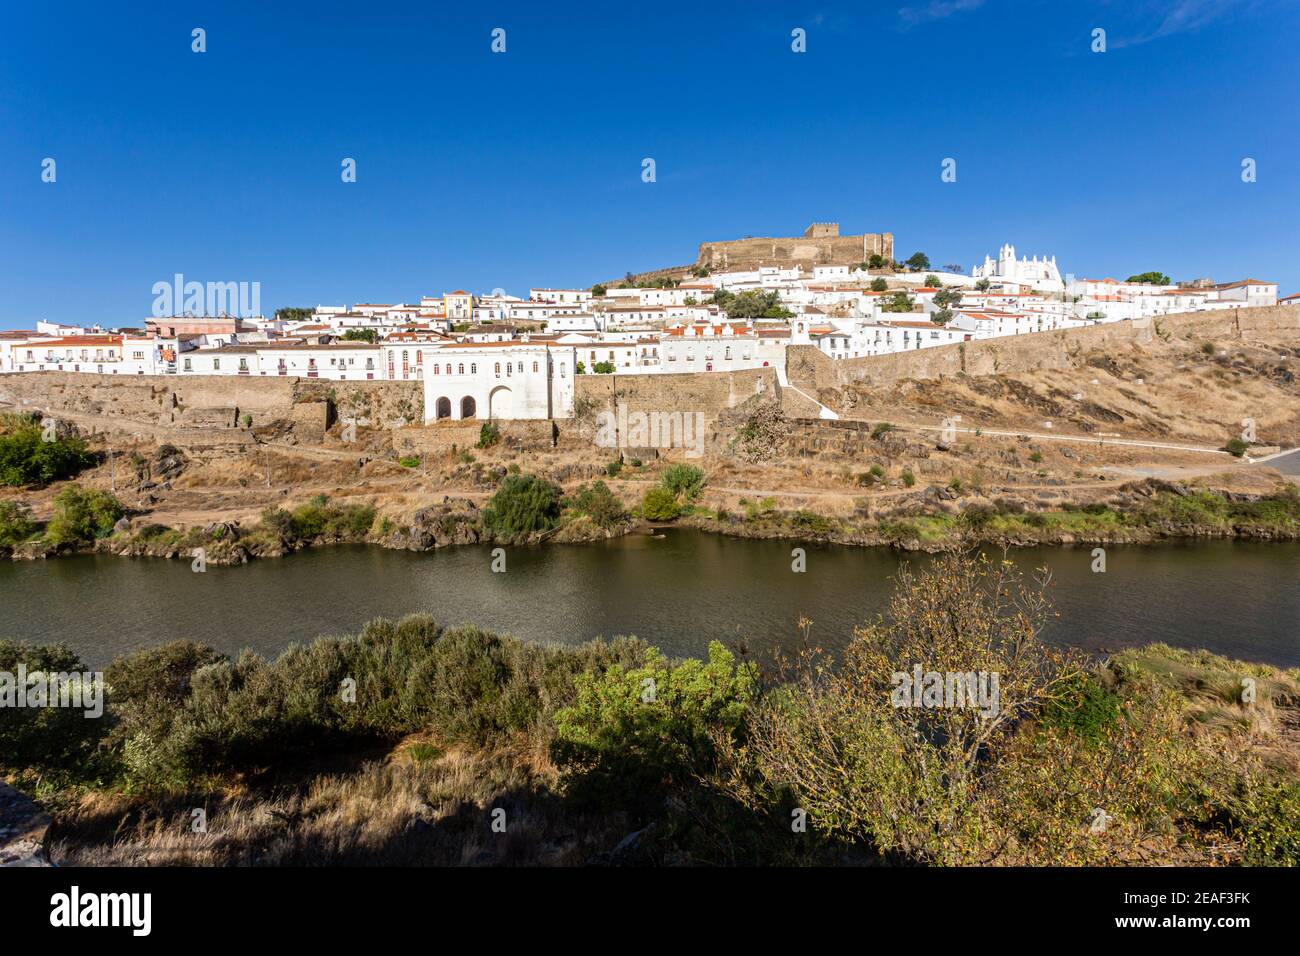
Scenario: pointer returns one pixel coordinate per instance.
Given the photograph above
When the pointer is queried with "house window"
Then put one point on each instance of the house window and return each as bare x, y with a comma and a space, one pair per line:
534, 366
497, 369
460, 369
473, 368
187, 365
216, 364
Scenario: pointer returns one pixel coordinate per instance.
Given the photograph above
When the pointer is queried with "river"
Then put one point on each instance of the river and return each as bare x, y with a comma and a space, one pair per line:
1236, 598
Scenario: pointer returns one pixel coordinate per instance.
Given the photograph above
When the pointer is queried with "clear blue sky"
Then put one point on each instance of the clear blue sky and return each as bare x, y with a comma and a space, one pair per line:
479, 170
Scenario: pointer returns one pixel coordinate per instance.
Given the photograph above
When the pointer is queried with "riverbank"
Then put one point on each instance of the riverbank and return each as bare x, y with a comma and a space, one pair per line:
1138, 513
413, 744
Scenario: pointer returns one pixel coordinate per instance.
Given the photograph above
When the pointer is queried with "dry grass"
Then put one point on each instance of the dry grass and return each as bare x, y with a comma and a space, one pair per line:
419, 807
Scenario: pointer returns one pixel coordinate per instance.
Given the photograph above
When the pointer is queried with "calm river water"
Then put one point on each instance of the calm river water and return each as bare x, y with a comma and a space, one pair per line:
1236, 598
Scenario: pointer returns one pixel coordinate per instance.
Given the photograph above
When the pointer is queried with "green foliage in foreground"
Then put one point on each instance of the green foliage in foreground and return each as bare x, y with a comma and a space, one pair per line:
634, 731
722, 758
26, 458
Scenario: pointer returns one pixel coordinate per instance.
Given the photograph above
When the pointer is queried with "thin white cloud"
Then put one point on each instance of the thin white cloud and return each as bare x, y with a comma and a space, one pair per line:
1182, 16
935, 10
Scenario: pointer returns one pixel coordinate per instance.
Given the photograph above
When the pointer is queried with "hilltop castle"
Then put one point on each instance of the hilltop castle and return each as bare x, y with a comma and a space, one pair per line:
821, 244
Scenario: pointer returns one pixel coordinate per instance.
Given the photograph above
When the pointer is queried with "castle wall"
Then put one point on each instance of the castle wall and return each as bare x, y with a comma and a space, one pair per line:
806, 251
810, 369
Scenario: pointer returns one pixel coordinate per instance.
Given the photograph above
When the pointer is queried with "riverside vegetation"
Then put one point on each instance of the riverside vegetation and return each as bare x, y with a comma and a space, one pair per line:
531, 508
610, 753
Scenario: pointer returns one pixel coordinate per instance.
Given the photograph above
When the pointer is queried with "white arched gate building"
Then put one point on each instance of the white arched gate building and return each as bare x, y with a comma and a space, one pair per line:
498, 380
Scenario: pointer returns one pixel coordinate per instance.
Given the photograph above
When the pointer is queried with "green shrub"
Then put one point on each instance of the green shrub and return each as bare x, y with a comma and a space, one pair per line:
523, 506
632, 733
684, 481
16, 524
613, 468
56, 741
600, 504
881, 430
1268, 821
82, 515
1085, 708
318, 518
409, 461
660, 504
1236, 447
27, 459
909, 479
488, 435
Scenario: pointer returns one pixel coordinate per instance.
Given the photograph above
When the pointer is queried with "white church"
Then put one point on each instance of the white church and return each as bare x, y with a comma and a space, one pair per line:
1040, 274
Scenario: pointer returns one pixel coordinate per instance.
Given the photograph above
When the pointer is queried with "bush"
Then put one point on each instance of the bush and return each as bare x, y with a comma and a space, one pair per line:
614, 467
881, 430
600, 504
908, 779
318, 518
523, 506
602, 368
489, 434
16, 524
27, 459
633, 733
660, 504
409, 461
684, 481
909, 479
81, 515
57, 741
1236, 447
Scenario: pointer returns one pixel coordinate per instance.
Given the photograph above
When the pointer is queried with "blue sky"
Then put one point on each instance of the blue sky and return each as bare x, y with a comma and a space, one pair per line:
478, 170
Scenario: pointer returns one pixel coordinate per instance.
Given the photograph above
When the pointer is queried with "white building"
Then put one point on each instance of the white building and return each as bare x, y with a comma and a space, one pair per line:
498, 380
1040, 274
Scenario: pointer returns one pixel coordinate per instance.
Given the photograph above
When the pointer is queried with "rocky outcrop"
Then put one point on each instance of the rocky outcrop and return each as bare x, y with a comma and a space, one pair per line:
23, 827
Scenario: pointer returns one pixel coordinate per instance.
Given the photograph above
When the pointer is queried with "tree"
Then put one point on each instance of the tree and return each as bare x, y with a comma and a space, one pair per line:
26, 458
952, 267
932, 281
947, 298
599, 504
361, 335
918, 262
879, 285
901, 302
983, 285
1153, 278
603, 368
524, 506
598, 290
660, 504
751, 304
293, 314
684, 481
83, 514
876, 262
